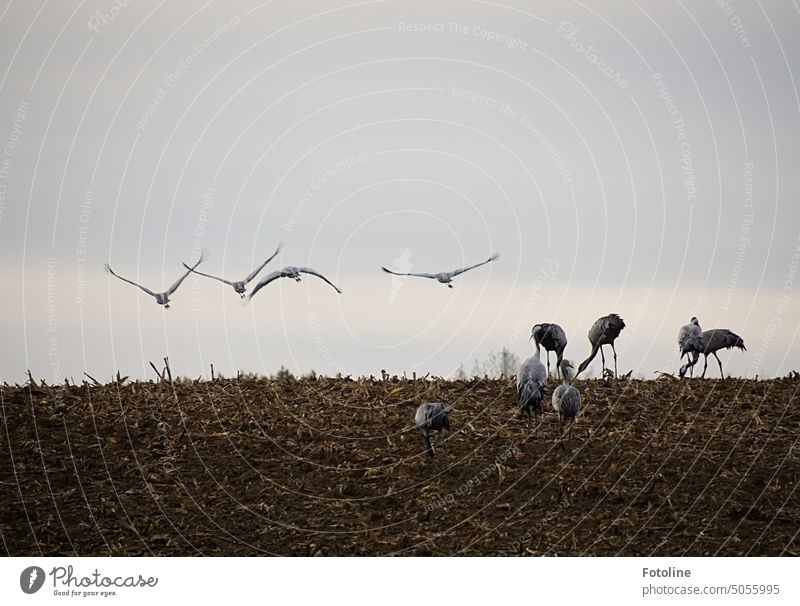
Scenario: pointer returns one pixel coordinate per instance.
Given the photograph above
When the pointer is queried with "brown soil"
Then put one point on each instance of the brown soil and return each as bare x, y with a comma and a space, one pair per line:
334, 467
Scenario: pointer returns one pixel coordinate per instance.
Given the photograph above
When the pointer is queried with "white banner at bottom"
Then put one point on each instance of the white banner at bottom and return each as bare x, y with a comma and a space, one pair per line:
371, 581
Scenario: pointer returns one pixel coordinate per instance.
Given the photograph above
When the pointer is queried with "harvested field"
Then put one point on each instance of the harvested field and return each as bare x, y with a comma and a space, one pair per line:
333, 467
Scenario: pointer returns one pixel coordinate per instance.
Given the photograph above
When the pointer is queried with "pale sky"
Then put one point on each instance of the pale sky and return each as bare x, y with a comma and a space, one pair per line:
634, 157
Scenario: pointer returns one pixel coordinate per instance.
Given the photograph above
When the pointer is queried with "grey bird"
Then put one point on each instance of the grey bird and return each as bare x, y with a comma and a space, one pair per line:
240, 286
553, 338
603, 332
432, 416
714, 340
531, 385
690, 344
289, 272
445, 277
162, 298
566, 401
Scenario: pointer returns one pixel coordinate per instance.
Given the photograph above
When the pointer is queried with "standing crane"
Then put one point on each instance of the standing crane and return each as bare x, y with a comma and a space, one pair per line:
432, 416
566, 402
553, 338
690, 343
531, 385
603, 332
714, 340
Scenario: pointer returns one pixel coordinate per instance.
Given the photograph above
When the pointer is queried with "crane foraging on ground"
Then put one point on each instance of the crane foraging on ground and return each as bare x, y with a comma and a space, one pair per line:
553, 338
690, 344
444, 277
532, 385
566, 401
240, 286
714, 340
432, 416
162, 298
604, 331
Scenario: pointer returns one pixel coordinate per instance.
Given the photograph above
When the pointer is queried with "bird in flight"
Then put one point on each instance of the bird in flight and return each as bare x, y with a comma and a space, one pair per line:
162, 298
240, 286
445, 277
289, 272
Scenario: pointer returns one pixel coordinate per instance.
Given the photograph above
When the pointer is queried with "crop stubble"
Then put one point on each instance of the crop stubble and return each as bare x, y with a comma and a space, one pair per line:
334, 467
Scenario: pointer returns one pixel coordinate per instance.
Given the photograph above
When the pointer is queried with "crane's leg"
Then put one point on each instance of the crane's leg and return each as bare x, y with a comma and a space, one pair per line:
705, 365
559, 359
695, 360
548, 363
614, 349
722, 376
426, 441
560, 432
603, 358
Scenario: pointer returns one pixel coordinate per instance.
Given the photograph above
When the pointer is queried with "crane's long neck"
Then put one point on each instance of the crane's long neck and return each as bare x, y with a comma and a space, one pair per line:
587, 361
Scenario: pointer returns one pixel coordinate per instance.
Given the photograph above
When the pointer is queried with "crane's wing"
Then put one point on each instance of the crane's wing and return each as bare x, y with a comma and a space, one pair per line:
308, 270
189, 270
107, 267
463, 269
254, 273
266, 280
200, 273
396, 273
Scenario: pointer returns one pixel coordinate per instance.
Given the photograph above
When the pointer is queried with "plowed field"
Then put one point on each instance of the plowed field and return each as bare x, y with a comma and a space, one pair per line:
334, 467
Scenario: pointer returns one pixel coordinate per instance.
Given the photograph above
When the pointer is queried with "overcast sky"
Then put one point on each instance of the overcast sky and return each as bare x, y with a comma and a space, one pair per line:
635, 157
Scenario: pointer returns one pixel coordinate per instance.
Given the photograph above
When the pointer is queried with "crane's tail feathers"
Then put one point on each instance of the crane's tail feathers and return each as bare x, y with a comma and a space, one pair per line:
531, 396
740, 344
